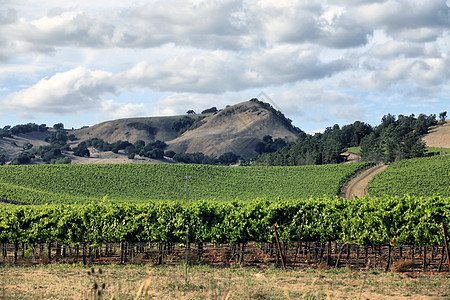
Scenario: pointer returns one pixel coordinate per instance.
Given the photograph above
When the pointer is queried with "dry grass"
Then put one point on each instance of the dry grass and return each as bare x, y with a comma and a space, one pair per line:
146, 282
401, 265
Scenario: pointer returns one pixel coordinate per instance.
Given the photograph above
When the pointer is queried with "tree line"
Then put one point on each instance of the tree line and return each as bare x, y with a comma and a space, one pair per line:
395, 138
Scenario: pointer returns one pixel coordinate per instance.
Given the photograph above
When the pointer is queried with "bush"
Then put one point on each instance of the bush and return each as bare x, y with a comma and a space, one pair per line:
63, 161
170, 153
22, 159
2, 159
211, 110
82, 150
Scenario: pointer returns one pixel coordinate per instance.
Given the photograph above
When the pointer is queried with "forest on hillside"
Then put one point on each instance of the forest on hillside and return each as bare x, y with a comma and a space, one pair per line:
395, 138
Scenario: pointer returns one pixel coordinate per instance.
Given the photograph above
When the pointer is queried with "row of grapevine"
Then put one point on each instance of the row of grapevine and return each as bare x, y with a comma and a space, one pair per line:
38, 184
418, 177
367, 221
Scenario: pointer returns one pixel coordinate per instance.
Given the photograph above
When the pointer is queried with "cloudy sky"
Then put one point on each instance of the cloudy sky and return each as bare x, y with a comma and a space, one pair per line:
319, 62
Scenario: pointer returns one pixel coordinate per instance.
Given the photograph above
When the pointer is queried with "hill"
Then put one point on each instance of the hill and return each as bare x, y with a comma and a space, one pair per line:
236, 129
438, 136
147, 129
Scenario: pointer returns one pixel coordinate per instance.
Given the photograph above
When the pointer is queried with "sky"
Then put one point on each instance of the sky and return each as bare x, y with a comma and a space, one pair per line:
320, 62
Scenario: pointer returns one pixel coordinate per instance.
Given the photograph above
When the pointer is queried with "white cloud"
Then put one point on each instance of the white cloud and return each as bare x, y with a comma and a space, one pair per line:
288, 64
73, 91
393, 49
425, 73
400, 18
313, 103
228, 24
179, 103
222, 71
196, 50
115, 110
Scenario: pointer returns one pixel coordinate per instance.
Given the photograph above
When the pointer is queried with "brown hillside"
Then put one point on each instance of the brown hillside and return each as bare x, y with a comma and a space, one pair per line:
132, 129
11, 147
234, 129
438, 136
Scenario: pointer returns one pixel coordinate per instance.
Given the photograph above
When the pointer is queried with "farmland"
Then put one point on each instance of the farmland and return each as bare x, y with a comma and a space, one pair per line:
51, 184
366, 221
418, 177
106, 213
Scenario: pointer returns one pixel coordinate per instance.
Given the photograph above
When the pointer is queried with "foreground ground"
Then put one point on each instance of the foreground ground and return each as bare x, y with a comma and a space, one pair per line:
146, 282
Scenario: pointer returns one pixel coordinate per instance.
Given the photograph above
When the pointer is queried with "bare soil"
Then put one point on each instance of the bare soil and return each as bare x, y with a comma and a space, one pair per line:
358, 186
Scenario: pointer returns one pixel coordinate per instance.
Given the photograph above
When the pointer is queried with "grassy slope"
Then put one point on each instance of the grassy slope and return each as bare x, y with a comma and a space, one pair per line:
420, 177
143, 182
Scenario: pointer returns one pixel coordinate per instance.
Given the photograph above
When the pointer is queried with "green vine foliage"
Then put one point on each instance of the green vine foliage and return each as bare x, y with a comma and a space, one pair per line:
367, 221
138, 183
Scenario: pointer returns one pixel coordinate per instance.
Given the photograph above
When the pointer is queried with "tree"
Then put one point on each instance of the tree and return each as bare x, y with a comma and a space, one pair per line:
82, 150
58, 126
27, 146
139, 144
190, 112
228, 158
182, 125
169, 153
2, 159
22, 159
211, 110
443, 117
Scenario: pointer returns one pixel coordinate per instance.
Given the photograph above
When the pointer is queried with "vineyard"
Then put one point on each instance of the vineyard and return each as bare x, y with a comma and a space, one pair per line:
368, 222
68, 184
418, 177
232, 214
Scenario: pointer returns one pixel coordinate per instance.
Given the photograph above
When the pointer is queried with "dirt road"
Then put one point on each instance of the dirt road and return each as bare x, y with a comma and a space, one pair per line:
358, 186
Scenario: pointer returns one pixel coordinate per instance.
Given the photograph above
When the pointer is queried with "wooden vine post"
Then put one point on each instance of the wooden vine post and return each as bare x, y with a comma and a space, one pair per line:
279, 247
446, 245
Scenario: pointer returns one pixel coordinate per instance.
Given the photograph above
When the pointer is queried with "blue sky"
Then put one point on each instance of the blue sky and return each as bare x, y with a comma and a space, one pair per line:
320, 62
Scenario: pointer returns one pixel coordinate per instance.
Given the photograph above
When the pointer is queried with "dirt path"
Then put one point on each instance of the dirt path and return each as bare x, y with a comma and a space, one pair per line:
358, 186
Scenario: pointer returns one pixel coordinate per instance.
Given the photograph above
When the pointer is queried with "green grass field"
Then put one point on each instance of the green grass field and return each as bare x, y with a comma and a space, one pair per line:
418, 177
37, 184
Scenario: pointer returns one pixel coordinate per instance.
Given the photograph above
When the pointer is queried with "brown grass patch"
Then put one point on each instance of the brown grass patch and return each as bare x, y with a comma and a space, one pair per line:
401, 265
169, 282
